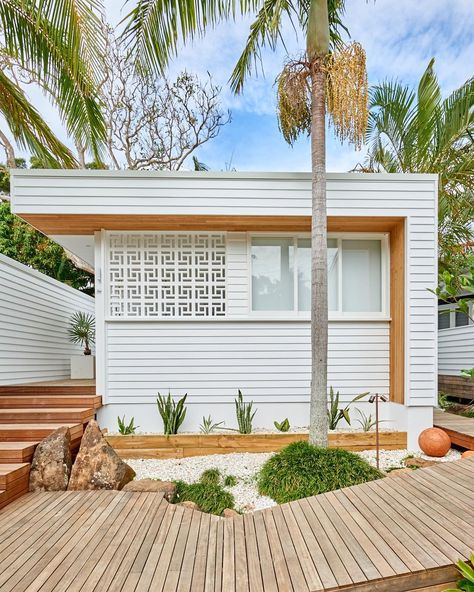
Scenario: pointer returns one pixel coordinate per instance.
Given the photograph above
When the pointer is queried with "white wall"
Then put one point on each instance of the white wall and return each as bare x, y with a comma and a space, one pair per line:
455, 350
34, 316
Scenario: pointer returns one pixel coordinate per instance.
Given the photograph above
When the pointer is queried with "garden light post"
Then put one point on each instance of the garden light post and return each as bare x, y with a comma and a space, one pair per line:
376, 397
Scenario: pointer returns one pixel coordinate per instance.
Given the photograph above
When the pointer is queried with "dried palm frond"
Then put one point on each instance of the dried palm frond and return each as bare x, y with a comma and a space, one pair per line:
294, 101
348, 93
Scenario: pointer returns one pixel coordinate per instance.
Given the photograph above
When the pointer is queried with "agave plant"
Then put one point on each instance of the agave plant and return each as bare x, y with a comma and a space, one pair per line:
82, 330
466, 583
126, 429
335, 414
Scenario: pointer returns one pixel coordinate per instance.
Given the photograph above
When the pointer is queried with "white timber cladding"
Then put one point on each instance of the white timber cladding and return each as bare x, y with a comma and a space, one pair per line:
166, 275
34, 316
269, 361
413, 197
455, 350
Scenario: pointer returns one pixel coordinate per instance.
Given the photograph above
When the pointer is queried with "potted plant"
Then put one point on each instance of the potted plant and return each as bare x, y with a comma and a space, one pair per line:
82, 331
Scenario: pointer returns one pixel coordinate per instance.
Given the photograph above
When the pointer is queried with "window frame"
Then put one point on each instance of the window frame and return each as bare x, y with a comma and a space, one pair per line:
339, 315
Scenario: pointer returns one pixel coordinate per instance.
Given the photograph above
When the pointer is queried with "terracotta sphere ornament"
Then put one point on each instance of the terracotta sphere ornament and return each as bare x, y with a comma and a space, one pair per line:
467, 454
434, 442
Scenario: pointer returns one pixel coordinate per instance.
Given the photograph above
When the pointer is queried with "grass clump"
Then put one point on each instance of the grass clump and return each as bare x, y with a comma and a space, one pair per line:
302, 470
211, 477
230, 481
211, 498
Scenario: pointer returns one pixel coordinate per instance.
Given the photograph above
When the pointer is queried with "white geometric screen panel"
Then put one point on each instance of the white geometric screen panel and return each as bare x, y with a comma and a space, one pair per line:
162, 275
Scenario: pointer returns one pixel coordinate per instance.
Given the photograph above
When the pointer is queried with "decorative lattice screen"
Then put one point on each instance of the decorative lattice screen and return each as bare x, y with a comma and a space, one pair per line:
166, 275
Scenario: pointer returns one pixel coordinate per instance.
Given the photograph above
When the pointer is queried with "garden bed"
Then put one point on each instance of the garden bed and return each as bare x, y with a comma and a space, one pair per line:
185, 445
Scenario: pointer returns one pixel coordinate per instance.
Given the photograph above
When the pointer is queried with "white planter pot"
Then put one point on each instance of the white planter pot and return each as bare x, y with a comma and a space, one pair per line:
82, 367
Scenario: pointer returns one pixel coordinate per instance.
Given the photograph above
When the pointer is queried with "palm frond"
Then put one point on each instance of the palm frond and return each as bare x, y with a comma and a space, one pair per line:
264, 31
29, 129
61, 42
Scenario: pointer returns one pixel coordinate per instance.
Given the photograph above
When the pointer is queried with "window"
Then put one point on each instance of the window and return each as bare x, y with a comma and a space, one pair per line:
444, 320
449, 317
281, 275
461, 319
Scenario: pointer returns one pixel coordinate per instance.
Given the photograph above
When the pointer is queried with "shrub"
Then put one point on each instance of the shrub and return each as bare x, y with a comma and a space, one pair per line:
244, 414
302, 470
126, 429
210, 497
172, 413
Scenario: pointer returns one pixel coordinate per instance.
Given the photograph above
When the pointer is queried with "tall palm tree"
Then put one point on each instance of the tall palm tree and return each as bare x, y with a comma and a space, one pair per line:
56, 44
154, 31
417, 131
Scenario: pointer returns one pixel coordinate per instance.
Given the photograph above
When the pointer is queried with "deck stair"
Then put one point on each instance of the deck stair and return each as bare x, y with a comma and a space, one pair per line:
29, 413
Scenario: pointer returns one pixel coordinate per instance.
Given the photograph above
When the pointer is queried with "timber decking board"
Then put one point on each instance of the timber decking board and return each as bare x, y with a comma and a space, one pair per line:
46, 415
393, 535
460, 429
15, 452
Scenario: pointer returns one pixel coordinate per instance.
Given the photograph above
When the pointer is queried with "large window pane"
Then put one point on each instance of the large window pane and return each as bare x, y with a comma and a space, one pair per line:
304, 273
272, 273
462, 320
361, 276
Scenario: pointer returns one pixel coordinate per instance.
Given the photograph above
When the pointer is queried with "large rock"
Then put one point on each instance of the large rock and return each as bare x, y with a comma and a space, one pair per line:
97, 465
420, 463
230, 513
189, 504
168, 488
51, 464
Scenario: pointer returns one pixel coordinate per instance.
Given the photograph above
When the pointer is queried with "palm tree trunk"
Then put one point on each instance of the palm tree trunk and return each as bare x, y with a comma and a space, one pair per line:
318, 431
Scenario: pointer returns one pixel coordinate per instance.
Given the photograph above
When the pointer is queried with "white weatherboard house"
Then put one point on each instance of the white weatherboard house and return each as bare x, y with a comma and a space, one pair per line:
203, 286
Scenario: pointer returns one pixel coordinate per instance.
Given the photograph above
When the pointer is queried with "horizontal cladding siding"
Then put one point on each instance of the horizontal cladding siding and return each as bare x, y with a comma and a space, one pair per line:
268, 361
455, 350
238, 194
34, 319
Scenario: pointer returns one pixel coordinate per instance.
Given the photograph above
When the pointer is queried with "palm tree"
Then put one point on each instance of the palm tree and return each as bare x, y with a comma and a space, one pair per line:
154, 31
56, 44
417, 131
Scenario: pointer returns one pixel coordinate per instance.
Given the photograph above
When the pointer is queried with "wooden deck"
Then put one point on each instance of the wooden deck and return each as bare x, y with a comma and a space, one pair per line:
396, 534
29, 413
460, 429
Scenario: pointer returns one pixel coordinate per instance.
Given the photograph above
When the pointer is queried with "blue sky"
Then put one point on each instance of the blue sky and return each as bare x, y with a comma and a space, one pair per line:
400, 37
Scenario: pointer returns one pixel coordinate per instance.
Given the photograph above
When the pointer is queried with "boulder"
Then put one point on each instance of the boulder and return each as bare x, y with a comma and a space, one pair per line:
97, 465
168, 488
189, 504
51, 465
420, 463
230, 513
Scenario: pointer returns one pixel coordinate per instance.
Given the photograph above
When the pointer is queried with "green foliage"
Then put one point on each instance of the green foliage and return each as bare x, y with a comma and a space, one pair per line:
172, 413
82, 330
126, 429
25, 244
302, 470
415, 130
452, 288
466, 583
207, 493
469, 411
468, 373
244, 414
282, 426
230, 481
208, 426
335, 415
211, 476
59, 46
443, 401
366, 422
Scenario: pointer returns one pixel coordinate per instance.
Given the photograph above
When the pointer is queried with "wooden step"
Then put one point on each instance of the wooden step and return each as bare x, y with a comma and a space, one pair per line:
18, 401
53, 388
46, 415
33, 432
17, 452
11, 472
14, 490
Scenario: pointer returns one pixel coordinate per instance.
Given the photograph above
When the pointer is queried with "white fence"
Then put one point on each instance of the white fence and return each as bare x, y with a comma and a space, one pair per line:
34, 316
455, 350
